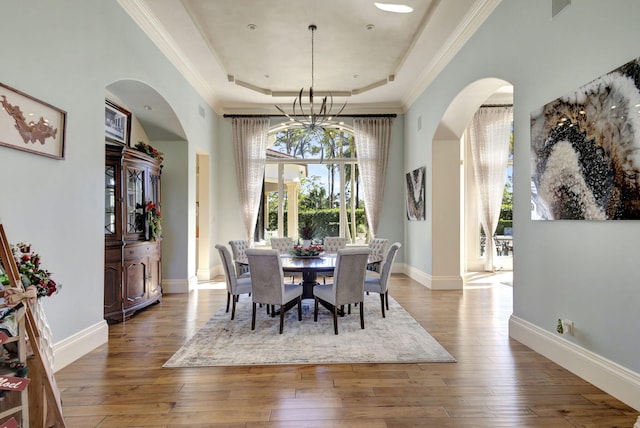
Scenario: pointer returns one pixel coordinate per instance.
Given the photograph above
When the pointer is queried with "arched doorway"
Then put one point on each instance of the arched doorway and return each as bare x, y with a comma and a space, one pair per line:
155, 122
451, 230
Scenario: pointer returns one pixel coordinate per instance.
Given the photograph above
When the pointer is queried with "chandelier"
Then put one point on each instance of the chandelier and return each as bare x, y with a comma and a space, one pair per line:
310, 118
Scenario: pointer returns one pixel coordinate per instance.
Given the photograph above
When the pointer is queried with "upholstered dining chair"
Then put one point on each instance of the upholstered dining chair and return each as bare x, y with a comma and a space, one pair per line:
378, 282
331, 246
268, 285
377, 246
347, 286
235, 286
238, 247
284, 246
334, 243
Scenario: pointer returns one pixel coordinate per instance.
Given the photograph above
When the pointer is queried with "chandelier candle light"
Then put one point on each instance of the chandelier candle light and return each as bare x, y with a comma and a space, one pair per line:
311, 119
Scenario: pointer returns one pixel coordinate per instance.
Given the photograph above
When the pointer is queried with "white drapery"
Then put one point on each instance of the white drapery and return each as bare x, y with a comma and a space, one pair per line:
489, 135
249, 144
372, 138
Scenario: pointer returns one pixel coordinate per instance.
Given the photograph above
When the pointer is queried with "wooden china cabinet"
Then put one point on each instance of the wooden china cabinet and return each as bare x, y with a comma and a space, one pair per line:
132, 258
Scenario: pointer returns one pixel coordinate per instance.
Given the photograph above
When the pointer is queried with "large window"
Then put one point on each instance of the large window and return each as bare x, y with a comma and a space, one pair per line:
313, 178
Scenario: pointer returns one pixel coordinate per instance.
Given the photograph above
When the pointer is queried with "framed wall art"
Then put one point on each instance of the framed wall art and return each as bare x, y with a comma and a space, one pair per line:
117, 123
31, 125
416, 194
586, 151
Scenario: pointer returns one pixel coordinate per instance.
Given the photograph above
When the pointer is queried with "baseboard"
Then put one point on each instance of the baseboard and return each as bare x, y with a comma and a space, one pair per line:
186, 285
206, 274
73, 347
611, 377
447, 283
418, 275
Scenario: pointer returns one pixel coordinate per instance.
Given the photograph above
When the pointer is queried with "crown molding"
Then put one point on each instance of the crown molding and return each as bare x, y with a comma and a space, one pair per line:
473, 20
146, 20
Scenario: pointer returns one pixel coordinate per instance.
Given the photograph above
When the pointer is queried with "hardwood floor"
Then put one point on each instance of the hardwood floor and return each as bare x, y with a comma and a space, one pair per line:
497, 382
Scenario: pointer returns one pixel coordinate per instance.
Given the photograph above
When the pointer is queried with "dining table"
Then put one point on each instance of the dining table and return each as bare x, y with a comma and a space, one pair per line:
311, 266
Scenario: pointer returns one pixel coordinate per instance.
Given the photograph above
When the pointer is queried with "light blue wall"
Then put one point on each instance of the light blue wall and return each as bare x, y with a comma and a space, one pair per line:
65, 53
580, 270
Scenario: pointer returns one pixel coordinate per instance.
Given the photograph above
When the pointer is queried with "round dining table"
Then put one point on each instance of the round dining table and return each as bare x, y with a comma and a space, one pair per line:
311, 266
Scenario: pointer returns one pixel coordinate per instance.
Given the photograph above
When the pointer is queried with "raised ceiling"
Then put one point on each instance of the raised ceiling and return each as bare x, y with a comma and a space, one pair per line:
244, 56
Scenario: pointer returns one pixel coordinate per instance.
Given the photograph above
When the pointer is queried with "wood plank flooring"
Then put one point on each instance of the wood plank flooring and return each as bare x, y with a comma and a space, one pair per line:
497, 382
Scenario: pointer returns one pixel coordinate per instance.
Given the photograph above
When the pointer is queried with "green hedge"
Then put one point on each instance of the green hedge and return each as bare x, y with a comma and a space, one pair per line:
326, 221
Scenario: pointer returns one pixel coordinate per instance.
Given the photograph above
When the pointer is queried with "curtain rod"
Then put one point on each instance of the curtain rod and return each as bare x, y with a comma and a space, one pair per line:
282, 115
495, 105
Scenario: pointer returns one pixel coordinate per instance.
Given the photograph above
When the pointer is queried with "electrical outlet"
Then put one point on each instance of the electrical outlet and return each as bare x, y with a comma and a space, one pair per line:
567, 327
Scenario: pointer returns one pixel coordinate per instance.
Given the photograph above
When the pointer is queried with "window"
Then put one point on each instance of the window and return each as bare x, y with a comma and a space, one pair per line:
313, 177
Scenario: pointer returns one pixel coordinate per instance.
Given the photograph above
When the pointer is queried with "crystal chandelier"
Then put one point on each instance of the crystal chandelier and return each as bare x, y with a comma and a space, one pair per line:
311, 118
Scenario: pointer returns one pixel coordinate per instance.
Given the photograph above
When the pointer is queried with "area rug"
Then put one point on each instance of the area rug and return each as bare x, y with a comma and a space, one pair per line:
398, 338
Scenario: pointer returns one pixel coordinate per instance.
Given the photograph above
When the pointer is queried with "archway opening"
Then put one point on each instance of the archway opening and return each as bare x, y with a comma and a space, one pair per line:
455, 222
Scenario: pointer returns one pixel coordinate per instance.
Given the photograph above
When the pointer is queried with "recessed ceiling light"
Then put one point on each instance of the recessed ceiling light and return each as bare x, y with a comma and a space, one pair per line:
395, 8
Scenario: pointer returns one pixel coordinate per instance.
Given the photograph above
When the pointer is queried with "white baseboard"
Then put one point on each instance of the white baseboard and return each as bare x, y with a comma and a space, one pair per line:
435, 282
418, 275
73, 347
611, 377
186, 285
447, 282
206, 274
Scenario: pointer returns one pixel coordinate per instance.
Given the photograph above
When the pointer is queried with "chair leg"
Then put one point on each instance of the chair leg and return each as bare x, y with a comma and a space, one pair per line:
335, 319
233, 306
299, 308
315, 310
386, 299
362, 315
382, 304
228, 300
253, 317
281, 318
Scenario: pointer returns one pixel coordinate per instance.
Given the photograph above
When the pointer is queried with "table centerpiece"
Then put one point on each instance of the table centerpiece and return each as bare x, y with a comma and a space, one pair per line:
307, 251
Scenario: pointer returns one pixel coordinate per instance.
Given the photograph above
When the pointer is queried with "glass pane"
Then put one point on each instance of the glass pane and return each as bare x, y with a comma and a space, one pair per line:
135, 205
110, 200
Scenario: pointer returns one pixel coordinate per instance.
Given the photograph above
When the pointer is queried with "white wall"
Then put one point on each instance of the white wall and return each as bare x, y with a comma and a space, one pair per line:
66, 53
580, 270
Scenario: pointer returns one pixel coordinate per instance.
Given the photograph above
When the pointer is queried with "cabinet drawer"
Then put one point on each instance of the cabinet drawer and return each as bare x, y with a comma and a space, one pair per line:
136, 251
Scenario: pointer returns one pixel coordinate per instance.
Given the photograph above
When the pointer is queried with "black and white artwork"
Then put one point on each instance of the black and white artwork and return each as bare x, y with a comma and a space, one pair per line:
585, 148
415, 194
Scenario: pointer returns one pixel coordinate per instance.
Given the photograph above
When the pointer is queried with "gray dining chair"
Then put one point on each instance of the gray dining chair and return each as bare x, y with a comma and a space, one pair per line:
238, 248
347, 286
235, 286
331, 245
268, 286
378, 282
284, 245
377, 246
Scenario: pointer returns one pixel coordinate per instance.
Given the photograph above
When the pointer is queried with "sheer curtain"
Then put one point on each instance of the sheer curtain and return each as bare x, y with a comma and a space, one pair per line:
373, 137
489, 135
249, 144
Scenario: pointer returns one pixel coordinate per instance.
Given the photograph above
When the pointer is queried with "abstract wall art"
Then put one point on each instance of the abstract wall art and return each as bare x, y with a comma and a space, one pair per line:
585, 149
31, 125
416, 194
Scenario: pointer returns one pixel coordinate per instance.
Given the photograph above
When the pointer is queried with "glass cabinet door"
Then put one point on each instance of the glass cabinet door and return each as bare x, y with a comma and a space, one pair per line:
135, 201
110, 200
